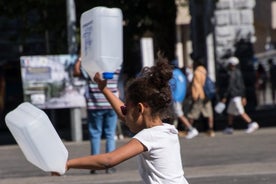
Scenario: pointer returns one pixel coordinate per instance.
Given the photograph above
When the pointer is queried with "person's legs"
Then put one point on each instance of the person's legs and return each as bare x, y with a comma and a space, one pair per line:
207, 112
191, 121
211, 123
110, 120
192, 131
95, 125
231, 112
192, 115
229, 128
109, 128
211, 131
236, 108
230, 120
185, 122
246, 118
177, 107
194, 111
251, 126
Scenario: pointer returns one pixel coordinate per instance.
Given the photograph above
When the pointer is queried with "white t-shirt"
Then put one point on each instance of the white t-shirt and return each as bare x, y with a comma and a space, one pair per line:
162, 162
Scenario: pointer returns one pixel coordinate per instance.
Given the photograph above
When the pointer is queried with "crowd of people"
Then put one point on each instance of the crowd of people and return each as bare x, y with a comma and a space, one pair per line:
265, 79
233, 97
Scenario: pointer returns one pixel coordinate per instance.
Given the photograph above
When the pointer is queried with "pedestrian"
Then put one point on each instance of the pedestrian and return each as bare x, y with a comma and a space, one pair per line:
179, 86
101, 118
201, 104
261, 81
235, 94
272, 78
155, 143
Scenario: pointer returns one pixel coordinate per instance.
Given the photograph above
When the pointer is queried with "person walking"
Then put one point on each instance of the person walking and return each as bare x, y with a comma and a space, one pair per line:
155, 143
101, 118
272, 79
178, 85
201, 105
261, 81
235, 94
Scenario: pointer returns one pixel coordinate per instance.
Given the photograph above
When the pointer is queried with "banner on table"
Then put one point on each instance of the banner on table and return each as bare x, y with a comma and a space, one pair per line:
48, 81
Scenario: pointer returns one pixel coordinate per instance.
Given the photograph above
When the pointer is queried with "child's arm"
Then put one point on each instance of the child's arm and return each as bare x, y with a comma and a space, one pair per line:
107, 160
77, 66
115, 102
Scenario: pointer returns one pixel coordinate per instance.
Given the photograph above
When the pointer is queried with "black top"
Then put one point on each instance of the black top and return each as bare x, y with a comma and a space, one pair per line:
236, 85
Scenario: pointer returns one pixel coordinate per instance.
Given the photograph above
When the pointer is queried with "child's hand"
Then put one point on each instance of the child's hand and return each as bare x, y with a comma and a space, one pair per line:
58, 174
101, 83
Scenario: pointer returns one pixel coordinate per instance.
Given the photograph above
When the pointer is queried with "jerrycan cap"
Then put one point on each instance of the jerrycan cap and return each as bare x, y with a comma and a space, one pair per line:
108, 75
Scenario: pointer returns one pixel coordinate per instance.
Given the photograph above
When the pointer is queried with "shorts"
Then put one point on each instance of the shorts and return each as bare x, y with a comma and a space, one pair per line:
235, 106
177, 107
200, 107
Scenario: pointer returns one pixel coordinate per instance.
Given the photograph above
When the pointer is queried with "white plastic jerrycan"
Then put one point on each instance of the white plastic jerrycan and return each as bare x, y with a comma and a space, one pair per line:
102, 41
219, 108
37, 138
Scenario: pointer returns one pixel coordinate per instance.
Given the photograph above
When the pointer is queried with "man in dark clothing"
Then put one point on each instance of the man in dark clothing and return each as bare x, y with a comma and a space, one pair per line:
235, 93
272, 77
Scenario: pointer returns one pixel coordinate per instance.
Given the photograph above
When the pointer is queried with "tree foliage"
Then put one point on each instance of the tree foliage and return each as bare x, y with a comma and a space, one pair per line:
36, 23
42, 24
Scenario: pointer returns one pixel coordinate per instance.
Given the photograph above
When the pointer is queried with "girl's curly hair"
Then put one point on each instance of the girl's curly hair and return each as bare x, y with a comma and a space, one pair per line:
152, 87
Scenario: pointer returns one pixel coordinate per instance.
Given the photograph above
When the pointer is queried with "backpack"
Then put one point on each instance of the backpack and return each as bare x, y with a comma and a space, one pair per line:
178, 85
209, 88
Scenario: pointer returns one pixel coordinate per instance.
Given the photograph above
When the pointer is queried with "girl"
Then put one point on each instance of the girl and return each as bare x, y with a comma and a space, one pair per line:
148, 98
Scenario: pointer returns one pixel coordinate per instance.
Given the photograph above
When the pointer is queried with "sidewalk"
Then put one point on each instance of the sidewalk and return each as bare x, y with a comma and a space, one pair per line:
239, 158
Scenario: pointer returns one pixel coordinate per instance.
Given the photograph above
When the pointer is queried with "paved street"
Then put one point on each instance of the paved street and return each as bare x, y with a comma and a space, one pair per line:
225, 159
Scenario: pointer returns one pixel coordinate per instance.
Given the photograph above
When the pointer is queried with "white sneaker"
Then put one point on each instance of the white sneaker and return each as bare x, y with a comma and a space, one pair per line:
192, 133
228, 130
252, 127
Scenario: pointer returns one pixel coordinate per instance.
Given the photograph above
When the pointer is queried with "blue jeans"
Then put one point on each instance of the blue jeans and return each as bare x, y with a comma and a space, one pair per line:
99, 122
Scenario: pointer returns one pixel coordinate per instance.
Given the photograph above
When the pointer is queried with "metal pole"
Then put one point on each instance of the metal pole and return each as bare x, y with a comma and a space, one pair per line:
208, 28
71, 27
76, 124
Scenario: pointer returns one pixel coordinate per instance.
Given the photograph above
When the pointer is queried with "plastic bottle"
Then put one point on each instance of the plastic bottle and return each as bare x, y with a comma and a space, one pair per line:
219, 108
102, 41
37, 138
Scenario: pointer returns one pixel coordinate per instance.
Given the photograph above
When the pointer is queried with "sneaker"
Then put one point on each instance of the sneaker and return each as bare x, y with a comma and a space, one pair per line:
192, 133
211, 133
252, 127
228, 130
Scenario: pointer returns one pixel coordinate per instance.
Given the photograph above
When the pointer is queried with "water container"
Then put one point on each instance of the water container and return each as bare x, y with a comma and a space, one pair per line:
219, 108
102, 41
37, 138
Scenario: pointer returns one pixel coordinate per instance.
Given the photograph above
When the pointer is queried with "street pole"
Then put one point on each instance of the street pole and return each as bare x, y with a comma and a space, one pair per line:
71, 27
75, 113
209, 40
